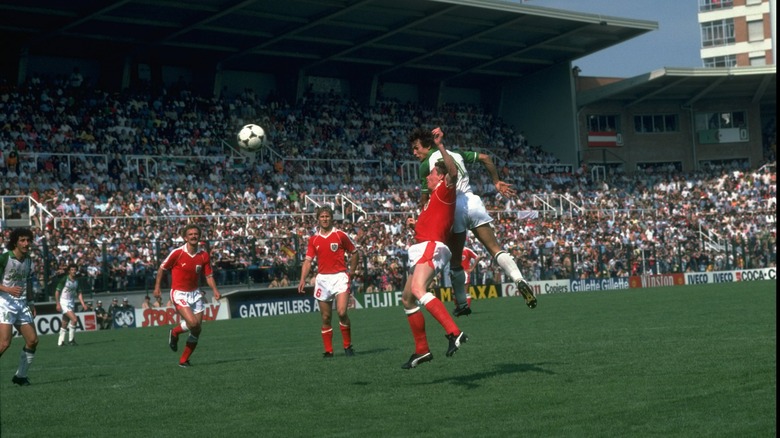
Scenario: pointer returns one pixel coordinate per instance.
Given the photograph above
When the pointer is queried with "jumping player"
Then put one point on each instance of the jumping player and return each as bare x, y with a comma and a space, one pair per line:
471, 214
430, 254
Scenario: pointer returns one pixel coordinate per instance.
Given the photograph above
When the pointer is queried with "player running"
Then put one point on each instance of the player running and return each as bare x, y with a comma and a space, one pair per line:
187, 263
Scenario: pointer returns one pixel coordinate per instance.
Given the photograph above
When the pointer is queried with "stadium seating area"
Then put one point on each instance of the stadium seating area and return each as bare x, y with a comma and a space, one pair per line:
114, 175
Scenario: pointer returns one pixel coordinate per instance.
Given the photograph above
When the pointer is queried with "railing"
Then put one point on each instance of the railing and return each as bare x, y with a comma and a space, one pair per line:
547, 207
341, 205
23, 211
559, 205
710, 241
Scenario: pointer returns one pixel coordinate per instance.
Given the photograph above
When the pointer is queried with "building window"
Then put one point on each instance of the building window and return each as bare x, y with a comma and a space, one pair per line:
721, 127
598, 123
721, 61
659, 167
758, 60
717, 33
755, 30
657, 123
604, 131
710, 5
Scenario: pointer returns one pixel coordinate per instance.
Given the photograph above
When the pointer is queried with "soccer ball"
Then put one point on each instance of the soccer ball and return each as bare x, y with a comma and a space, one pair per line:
251, 138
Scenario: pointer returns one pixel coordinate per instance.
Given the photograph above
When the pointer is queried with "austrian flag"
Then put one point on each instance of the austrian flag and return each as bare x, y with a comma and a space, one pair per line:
605, 139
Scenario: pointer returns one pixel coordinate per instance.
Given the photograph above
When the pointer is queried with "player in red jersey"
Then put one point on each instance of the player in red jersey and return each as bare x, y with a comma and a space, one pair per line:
187, 263
430, 254
330, 247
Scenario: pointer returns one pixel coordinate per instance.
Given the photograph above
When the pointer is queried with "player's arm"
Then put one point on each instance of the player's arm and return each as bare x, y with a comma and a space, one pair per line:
449, 163
305, 269
354, 258
213, 285
57, 292
423, 173
158, 281
503, 187
81, 300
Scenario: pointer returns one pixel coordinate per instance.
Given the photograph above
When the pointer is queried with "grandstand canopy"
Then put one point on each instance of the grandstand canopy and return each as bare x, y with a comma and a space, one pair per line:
460, 42
691, 85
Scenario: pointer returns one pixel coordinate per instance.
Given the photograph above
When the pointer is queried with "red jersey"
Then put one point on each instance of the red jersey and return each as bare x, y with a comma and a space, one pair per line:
186, 268
435, 221
468, 256
330, 250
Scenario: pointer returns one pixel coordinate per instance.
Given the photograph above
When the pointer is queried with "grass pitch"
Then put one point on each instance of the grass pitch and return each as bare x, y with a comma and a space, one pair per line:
677, 361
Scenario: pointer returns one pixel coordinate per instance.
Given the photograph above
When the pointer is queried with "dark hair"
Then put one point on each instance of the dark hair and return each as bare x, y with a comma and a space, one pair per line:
13, 239
190, 227
323, 209
425, 137
439, 165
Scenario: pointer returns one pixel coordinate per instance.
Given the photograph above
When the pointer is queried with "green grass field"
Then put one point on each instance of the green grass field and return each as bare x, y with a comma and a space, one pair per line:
688, 361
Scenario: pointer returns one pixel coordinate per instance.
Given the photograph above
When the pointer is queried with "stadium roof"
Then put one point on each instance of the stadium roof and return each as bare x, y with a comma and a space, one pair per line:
691, 85
461, 42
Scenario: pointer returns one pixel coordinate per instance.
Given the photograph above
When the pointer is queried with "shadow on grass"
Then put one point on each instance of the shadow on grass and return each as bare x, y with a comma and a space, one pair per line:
471, 381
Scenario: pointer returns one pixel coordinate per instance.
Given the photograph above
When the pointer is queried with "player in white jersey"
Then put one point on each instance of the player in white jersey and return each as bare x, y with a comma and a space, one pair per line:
65, 294
471, 214
16, 270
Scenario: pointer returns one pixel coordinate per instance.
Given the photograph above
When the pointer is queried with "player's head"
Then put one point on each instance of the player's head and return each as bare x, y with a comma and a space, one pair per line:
186, 230
438, 173
16, 234
72, 268
324, 217
324, 209
421, 142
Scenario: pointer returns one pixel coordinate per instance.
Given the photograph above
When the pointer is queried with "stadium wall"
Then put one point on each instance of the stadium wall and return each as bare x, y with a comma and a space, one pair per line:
262, 303
543, 107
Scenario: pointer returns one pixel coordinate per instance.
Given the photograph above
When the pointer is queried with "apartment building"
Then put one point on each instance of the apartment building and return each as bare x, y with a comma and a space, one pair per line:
737, 32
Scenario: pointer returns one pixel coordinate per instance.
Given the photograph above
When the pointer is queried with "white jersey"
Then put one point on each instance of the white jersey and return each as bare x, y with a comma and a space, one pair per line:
463, 185
15, 273
69, 290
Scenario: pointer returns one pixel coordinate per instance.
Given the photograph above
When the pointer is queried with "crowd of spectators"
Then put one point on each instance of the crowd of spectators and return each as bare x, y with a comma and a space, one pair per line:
115, 175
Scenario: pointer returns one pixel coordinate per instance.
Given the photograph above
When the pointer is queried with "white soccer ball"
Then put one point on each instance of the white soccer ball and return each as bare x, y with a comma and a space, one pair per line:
251, 138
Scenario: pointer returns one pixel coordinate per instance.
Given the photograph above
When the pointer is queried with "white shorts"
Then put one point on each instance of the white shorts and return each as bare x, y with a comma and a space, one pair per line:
434, 254
470, 213
327, 286
14, 312
191, 299
67, 306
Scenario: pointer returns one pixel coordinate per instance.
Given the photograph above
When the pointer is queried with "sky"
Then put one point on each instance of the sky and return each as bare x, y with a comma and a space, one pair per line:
676, 42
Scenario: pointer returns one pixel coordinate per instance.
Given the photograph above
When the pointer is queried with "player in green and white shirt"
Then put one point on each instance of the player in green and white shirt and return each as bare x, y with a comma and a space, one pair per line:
16, 270
65, 295
470, 214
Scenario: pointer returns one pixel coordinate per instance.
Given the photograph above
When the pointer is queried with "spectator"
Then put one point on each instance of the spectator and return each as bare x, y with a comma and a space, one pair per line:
112, 309
103, 319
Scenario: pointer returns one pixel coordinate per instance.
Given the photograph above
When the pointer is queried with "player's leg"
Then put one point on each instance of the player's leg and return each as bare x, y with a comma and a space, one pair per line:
458, 276
342, 304
6, 330
193, 321
416, 320
457, 241
433, 259
74, 322
487, 237
27, 330
326, 330
64, 322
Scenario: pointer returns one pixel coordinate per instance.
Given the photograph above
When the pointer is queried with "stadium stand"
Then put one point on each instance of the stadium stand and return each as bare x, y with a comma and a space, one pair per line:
110, 177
